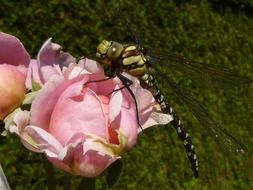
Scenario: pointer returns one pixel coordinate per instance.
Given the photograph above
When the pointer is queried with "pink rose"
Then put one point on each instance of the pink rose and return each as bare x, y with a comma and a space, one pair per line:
82, 126
14, 61
50, 61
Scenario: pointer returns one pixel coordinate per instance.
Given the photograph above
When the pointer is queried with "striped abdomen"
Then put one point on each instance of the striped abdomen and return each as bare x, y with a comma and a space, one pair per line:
148, 81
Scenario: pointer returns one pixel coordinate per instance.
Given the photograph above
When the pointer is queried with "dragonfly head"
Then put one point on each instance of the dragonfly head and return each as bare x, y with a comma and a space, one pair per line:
109, 51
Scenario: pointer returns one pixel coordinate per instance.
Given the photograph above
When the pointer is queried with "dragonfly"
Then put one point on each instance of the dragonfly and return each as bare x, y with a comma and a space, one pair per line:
144, 63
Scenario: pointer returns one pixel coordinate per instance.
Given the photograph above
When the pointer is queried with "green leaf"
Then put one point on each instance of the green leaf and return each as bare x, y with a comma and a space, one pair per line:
113, 173
87, 184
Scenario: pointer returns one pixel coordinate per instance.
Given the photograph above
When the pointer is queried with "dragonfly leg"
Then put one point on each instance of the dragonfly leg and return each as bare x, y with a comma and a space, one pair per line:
95, 81
127, 83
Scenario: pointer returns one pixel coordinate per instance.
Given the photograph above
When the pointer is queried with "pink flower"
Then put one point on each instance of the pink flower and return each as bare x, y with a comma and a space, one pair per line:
14, 61
83, 126
50, 61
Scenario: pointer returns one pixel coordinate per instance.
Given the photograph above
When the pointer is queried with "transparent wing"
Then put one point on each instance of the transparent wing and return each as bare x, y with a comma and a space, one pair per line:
225, 140
210, 74
121, 18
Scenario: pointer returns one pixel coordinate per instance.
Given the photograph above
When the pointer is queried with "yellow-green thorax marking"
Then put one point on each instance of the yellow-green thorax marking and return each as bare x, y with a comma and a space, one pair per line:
122, 57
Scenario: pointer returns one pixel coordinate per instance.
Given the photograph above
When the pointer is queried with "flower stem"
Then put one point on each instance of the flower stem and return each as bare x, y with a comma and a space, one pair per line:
87, 183
67, 182
50, 175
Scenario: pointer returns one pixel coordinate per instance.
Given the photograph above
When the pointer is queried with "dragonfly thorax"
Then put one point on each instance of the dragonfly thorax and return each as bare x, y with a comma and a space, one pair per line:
133, 61
124, 58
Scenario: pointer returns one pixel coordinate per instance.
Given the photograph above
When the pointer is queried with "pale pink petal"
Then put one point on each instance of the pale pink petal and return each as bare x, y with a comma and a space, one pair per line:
21, 120
17, 121
47, 53
92, 67
48, 71
156, 118
73, 71
66, 71
76, 138
89, 142
65, 59
58, 163
72, 114
148, 109
43, 105
104, 87
33, 74
101, 145
52, 59
144, 98
52, 54
41, 140
115, 105
66, 153
90, 164
127, 120
145, 103
84, 66
12, 51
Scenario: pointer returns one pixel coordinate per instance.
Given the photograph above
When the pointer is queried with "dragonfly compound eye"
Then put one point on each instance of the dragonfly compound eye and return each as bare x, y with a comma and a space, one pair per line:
114, 51
103, 47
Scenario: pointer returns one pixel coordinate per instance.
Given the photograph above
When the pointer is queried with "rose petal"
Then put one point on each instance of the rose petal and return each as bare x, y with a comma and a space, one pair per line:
12, 51
40, 140
49, 53
156, 118
43, 105
33, 74
145, 103
21, 119
52, 59
12, 89
91, 164
72, 114
92, 67
126, 121
115, 105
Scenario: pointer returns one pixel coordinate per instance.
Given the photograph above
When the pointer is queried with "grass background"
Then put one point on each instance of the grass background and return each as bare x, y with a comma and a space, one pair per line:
213, 31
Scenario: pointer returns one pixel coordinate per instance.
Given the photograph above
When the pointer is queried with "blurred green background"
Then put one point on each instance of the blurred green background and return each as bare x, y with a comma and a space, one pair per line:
214, 31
